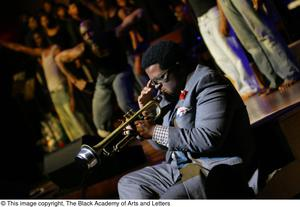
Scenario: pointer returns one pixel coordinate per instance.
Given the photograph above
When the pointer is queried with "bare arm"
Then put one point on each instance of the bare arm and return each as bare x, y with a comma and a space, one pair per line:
129, 20
121, 14
71, 94
21, 48
92, 7
67, 56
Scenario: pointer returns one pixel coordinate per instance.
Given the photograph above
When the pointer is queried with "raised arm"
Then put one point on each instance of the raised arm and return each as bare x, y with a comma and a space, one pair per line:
67, 56
129, 21
21, 48
92, 7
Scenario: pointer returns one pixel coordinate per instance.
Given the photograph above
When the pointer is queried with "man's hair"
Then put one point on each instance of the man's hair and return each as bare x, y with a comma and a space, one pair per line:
42, 35
86, 23
165, 53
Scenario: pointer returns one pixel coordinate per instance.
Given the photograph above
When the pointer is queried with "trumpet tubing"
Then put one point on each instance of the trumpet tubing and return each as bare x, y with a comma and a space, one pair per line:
113, 143
107, 140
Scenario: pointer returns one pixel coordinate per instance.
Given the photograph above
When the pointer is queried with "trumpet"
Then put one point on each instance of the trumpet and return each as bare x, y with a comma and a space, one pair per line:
114, 142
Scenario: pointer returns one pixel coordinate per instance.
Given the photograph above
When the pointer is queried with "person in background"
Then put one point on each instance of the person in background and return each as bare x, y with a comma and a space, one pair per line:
187, 25
61, 15
226, 50
59, 88
76, 15
55, 34
138, 40
32, 27
159, 15
48, 8
270, 55
103, 52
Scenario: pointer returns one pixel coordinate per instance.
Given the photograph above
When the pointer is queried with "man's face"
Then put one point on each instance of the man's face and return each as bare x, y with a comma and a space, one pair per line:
179, 12
101, 3
32, 23
38, 40
61, 12
121, 3
44, 21
87, 33
166, 79
47, 7
73, 10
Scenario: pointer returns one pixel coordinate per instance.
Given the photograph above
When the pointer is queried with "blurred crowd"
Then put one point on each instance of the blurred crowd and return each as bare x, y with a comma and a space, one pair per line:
84, 65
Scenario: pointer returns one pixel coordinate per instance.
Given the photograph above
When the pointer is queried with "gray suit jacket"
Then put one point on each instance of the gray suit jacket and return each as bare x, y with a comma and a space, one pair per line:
211, 123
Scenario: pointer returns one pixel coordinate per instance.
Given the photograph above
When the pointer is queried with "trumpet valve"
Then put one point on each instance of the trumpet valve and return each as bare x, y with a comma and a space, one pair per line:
129, 114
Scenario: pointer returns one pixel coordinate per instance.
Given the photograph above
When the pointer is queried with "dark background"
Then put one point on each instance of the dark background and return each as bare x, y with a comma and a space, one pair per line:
11, 9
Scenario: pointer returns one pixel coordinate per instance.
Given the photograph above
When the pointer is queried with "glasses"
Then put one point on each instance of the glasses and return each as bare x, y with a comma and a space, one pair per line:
161, 79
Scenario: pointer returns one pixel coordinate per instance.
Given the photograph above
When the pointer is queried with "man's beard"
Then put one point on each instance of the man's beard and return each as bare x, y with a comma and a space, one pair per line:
170, 97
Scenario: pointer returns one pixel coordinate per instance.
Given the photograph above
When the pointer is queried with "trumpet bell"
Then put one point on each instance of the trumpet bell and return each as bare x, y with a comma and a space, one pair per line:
87, 157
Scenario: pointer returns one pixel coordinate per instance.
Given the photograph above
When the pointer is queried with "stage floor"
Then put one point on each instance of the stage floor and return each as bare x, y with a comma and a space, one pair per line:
265, 108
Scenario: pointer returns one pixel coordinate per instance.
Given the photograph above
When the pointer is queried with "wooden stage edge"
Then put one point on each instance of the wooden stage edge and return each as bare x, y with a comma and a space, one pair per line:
262, 109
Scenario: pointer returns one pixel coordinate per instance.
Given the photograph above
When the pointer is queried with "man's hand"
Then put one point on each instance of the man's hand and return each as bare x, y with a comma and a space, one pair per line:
128, 21
80, 84
145, 128
146, 94
257, 4
224, 28
132, 17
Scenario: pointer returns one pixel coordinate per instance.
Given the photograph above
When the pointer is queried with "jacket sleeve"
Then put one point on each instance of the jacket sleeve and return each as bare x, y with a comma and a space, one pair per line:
214, 110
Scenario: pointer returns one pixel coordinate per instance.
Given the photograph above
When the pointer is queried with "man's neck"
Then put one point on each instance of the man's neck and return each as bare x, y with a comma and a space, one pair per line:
182, 81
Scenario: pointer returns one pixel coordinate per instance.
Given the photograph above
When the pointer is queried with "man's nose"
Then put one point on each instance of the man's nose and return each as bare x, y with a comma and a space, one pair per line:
158, 86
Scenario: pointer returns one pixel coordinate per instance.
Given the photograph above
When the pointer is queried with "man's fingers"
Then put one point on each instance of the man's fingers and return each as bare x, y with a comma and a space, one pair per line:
138, 122
145, 96
128, 129
145, 113
146, 90
149, 84
142, 98
139, 128
147, 116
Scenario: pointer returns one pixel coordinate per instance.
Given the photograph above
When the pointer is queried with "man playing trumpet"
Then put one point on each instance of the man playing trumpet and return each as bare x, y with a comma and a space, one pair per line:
205, 124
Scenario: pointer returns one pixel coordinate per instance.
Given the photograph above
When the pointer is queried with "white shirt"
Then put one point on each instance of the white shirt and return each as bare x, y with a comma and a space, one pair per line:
54, 77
